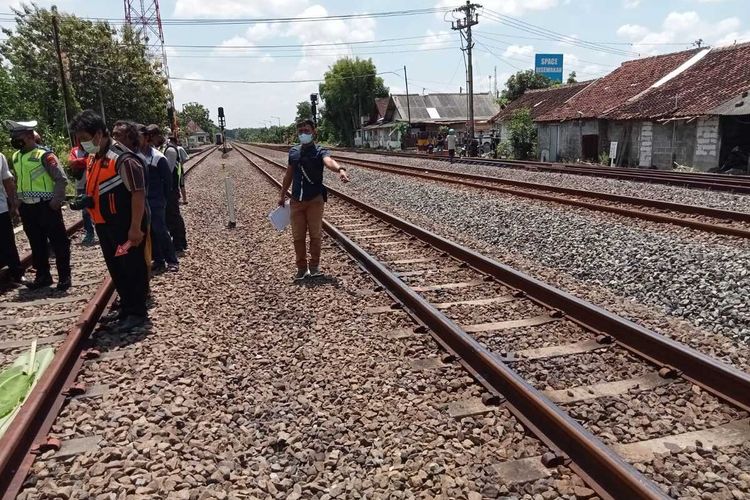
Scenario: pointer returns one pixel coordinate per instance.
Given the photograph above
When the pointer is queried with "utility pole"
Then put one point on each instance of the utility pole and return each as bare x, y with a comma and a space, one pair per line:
408, 106
470, 19
67, 108
101, 105
279, 119
497, 96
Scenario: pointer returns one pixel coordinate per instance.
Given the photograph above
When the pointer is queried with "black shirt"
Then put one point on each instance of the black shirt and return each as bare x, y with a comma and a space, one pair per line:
308, 171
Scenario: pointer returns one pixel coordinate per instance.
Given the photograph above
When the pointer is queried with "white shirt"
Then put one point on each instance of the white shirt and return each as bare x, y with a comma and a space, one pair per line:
451, 142
5, 174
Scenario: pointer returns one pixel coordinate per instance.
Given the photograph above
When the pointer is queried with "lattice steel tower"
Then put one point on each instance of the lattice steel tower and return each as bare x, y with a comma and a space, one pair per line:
145, 18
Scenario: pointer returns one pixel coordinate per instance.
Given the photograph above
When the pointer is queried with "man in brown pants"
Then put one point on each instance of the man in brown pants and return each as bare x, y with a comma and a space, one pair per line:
305, 175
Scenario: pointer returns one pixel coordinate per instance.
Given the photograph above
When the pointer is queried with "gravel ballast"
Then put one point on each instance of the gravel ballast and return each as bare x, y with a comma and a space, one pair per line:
248, 386
688, 274
663, 192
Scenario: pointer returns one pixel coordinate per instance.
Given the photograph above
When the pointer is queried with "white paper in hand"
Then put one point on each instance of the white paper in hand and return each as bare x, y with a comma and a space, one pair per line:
280, 217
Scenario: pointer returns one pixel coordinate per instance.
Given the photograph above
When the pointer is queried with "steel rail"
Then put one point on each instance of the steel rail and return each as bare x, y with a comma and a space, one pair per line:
27, 435
724, 381
686, 209
596, 463
711, 181
626, 212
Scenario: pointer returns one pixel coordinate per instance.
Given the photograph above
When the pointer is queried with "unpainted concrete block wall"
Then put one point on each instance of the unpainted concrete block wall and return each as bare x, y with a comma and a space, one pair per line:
646, 144
707, 143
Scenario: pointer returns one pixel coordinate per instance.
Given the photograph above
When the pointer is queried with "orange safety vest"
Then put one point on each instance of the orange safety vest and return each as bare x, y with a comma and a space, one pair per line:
111, 199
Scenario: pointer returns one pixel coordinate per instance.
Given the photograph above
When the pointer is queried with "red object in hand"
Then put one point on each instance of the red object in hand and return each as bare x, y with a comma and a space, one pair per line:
123, 249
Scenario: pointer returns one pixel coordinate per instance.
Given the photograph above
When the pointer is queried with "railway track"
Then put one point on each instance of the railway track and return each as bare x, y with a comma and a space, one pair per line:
710, 181
578, 376
714, 220
63, 322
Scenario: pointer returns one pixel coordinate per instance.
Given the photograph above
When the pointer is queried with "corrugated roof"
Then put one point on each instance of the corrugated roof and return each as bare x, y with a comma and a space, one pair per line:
449, 107
541, 101
722, 74
609, 92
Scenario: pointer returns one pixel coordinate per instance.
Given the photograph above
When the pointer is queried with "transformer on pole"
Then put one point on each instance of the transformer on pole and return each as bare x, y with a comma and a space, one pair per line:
144, 16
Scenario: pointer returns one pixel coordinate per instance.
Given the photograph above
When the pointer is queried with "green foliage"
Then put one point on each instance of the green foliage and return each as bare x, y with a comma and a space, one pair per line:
401, 129
604, 158
521, 82
572, 77
349, 86
102, 66
504, 150
199, 114
304, 111
523, 135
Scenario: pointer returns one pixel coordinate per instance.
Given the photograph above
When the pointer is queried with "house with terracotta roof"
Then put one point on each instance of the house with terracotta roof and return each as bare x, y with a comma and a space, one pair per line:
196, 136
688, 108
538, 102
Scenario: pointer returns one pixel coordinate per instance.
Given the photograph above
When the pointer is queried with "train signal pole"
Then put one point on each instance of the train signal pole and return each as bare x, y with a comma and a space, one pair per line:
222, 123
314, 108
470, 19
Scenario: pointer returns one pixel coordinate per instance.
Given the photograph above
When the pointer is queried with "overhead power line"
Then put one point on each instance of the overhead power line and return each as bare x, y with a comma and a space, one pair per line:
553, 35
254, 82
266, 20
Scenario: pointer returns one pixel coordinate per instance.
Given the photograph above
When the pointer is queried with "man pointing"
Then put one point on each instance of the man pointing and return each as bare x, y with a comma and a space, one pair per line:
305, 175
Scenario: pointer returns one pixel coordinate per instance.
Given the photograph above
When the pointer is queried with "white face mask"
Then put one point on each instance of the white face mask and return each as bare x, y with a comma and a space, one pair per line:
89, 147
305, 138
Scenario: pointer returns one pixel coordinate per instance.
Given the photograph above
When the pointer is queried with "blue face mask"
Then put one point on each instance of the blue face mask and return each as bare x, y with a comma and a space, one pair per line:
305, 138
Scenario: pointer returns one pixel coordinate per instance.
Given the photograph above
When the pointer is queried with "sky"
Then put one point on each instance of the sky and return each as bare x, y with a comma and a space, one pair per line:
595, 36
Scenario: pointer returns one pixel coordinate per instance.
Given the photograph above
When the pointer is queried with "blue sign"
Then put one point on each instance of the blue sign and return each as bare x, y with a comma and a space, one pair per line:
549, 65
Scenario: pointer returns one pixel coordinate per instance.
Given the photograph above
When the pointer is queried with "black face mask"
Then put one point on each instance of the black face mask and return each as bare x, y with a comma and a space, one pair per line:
17, 143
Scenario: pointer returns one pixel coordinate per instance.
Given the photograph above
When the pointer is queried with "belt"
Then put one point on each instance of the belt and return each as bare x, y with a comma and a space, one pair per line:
30, 201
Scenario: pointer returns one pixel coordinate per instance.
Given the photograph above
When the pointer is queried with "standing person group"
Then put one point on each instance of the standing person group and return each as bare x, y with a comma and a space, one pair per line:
125, 185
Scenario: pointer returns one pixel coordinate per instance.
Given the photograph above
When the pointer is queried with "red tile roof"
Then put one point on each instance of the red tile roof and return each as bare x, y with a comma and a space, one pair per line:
541, 101
723, 73
609, 92
193, 128
381, 104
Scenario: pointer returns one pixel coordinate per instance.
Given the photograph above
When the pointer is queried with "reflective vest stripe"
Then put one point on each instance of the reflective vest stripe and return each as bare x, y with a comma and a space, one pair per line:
110, 185
33, 181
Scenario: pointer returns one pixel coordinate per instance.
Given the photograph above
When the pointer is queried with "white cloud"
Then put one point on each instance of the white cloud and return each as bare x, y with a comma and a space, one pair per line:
681, 27
508, 7
436, 39
632, 31
236, 8
631, 4
519, 51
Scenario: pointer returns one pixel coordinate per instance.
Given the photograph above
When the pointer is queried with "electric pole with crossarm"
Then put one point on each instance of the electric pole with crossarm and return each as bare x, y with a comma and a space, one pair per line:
470, 19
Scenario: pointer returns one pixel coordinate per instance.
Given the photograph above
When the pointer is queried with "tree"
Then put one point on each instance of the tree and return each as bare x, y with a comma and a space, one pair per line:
199, 114
349, 86
523, 135
572, 77
521, 82
102, 65
304, 111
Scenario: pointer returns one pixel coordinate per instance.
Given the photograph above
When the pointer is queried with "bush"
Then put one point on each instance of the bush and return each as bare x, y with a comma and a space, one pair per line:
504, 150
604, 158
523, 135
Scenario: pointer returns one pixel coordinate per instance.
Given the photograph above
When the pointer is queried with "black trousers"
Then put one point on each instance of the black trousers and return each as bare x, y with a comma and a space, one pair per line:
129, 272
8, 251
175, 223
41, 223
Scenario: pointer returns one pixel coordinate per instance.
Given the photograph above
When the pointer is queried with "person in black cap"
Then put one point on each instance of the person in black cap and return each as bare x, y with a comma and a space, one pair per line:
41, 182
